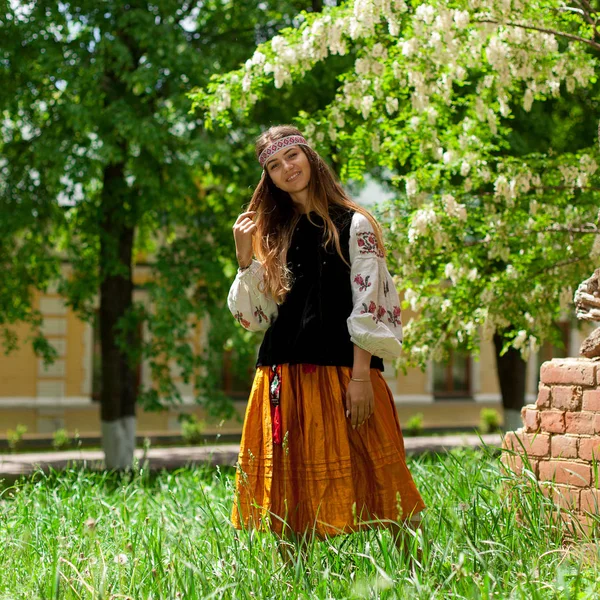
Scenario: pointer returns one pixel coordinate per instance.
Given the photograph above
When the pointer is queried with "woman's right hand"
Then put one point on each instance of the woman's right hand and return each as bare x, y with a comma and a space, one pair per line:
243, 230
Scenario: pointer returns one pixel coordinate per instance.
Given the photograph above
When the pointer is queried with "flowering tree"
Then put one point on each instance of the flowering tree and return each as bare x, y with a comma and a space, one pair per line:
489, 237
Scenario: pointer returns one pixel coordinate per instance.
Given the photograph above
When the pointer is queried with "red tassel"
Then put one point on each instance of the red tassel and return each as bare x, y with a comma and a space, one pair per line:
276, 425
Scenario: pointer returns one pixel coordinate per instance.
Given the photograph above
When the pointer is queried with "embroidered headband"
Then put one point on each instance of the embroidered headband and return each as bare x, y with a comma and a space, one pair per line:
278, 145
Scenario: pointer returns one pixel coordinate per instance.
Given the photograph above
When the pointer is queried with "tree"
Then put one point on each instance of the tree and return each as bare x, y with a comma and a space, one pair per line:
100, 159
492, 227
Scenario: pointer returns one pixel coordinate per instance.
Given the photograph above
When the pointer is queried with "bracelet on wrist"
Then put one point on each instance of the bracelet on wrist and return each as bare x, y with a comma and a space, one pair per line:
356, 379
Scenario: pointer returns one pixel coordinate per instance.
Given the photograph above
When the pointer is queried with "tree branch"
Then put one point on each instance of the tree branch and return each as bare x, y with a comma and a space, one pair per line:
587, 188
563, 230
569, 36
558, 265
583, 11
587, 10
582, 230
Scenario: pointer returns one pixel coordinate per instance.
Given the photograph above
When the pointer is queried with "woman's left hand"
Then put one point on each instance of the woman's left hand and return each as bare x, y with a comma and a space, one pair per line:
359, 402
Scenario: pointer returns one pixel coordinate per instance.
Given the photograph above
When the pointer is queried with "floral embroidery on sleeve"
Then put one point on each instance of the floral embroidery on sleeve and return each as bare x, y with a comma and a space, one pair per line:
367, 243
369, 309
386, 287
378, 312
363, 284
394, 316
240, 319
260, 314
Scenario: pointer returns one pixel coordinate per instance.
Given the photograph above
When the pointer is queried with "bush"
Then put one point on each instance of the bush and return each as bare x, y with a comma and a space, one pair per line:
61, 439
15, 437
191, 429
414, 425
489, 420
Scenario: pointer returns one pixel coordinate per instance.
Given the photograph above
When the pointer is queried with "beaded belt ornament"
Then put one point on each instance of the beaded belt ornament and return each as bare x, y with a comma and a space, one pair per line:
278, 145
274, 397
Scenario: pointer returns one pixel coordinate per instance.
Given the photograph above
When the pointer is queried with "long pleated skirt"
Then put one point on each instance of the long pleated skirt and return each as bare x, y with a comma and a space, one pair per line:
319, 475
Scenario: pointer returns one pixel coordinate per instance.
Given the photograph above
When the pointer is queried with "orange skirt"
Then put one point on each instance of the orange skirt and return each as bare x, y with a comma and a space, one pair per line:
324, 476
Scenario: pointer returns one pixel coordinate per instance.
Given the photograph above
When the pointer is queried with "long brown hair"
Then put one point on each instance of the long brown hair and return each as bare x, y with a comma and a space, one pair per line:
276, 216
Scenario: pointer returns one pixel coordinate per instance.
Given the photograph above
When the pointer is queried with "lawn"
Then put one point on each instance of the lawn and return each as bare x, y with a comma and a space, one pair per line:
87, 535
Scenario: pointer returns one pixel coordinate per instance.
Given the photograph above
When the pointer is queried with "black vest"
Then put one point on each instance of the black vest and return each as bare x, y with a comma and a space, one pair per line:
311, 323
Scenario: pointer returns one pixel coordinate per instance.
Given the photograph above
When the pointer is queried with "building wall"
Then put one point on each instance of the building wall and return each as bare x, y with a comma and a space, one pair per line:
45, 398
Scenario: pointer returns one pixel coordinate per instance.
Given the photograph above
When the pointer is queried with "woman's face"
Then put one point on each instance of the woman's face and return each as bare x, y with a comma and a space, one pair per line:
289, 170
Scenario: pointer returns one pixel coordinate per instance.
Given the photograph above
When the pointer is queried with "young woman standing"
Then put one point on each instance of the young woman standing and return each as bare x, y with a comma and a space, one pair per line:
322, 450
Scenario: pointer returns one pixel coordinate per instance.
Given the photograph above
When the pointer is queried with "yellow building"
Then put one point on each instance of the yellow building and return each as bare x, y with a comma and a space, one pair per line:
62, 395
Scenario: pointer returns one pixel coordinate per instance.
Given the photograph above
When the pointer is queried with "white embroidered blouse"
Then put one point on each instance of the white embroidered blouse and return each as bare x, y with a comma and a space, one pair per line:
374, 323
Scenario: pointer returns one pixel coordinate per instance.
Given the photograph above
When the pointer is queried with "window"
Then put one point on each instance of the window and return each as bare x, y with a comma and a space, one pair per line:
452, 378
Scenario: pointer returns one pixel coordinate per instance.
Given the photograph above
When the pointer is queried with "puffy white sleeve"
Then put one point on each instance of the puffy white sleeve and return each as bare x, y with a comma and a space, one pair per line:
252, 308
374, 324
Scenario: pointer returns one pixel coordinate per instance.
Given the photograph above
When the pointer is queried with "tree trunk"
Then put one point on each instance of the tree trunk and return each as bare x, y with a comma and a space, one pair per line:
512, 371
317, 5
118, 394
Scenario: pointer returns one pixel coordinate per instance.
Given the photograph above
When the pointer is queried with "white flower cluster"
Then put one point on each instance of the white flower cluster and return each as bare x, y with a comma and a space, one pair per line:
421, 221
526, 343
514, 184
412, 187
439, 47
454, 273
412, 298
453, 209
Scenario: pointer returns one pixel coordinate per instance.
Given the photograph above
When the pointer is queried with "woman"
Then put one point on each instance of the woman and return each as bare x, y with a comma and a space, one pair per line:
321, 451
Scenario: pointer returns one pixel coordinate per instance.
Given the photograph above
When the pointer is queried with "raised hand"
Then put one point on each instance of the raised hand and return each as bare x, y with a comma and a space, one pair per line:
243, 230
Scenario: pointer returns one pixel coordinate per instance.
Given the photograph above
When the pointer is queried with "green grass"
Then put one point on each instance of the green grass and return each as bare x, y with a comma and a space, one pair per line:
88, 535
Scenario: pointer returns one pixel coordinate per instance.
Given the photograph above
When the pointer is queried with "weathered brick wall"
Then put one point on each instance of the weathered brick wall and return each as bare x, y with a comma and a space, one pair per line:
561, 435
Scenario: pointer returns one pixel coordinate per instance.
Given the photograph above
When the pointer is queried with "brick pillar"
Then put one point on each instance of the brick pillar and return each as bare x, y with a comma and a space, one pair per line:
560, 437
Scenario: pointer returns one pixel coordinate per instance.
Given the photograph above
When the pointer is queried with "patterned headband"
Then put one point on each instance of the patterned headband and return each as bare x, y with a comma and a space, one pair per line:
278, 145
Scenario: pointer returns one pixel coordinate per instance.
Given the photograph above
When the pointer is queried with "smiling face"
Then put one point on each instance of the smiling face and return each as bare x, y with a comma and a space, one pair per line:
289, 170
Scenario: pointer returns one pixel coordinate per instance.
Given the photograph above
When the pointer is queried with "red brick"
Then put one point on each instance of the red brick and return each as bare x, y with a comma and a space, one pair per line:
586, 527
509, 440
514, 463
553, 421
580, 422
565, 472
565, 497
564, 446
569, 371
591, 400
597, 424
531, 418
533, 444
543, 399
590, 501
566, 397
577, 526
589, 448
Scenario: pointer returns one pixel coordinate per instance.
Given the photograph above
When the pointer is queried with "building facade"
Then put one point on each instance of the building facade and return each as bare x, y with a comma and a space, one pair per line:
63, 395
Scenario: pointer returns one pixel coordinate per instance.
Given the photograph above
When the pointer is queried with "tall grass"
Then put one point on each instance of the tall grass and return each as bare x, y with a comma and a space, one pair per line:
86, 535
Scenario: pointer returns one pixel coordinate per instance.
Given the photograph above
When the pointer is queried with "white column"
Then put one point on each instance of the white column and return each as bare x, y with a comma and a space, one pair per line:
532, 378
575, 340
